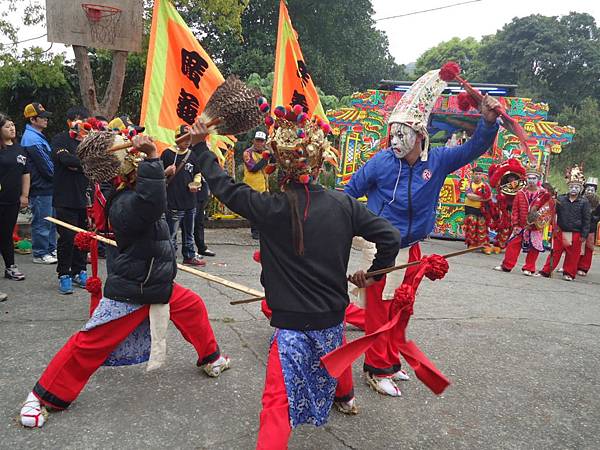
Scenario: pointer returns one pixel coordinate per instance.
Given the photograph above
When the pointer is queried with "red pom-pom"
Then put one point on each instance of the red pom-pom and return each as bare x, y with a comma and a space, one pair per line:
449, 71
464, 102
437, 267
304, 178
83, 240
256, 256
298, 109
289, 115
269, 121
279, 111
94, 285
270, 169
264, 107
326, 128
266, 154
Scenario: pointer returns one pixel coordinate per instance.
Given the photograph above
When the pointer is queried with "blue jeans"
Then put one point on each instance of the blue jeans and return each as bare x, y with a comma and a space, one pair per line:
43, 233
186, 220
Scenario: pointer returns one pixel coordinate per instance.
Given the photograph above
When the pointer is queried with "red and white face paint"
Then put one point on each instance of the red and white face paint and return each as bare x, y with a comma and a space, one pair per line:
402, 139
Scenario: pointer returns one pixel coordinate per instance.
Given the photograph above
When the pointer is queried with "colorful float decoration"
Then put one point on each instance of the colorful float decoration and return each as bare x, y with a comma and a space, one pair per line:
361, 130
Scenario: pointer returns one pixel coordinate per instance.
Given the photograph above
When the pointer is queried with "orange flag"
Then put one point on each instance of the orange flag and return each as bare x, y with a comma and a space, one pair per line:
293, 83
180, 76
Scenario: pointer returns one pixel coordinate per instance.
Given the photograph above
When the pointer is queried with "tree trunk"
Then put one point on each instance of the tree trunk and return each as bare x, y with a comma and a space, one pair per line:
110, 101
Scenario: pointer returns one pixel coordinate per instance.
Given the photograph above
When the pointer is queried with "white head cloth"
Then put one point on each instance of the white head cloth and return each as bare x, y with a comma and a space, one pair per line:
415, 106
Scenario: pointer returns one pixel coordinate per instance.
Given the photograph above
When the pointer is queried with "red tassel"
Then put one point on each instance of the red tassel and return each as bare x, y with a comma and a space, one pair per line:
464, 101
82, 240
449, 71
256, 256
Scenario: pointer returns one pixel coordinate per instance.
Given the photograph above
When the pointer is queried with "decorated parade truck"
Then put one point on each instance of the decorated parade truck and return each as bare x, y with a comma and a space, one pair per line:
361, 130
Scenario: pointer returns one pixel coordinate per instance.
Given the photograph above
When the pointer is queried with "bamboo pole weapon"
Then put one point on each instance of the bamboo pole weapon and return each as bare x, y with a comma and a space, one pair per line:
230, 284
381, 271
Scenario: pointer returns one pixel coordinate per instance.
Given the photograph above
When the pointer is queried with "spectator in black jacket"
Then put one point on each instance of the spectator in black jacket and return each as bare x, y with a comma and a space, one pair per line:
305, 239
70, 200
591, 194
573, 218
136, 291
41, 168
14, 193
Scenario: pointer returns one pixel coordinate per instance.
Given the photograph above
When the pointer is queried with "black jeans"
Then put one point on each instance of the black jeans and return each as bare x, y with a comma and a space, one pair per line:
71, 260
201, 204
8, 219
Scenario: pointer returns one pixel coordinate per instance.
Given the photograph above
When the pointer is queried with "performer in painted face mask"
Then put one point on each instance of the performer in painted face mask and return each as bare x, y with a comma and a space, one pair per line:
403, 184
305, 237
573, 217
527, 231
590, 193
128, 326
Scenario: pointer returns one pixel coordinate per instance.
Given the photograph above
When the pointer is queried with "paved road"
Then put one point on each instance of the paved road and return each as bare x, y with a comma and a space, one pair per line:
522, 354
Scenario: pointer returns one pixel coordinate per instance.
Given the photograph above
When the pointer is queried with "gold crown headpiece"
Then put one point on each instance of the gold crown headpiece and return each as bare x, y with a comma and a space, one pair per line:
299, 143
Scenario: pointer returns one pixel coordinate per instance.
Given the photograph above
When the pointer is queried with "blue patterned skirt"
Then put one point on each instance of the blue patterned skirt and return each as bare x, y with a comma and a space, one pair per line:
310, 389
135, 349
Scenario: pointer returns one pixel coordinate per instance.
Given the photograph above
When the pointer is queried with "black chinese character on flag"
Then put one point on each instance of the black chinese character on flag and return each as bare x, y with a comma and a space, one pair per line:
303, 72
187, 107
299, 99
193, 66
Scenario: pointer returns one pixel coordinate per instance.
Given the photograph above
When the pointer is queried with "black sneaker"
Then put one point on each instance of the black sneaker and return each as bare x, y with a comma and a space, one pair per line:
13, 273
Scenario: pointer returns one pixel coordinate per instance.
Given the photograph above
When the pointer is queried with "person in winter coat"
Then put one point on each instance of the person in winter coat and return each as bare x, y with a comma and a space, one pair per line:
41, 168
138, 298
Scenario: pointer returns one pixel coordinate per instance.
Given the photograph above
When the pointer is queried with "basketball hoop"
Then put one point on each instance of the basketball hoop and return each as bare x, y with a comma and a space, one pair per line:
103, 21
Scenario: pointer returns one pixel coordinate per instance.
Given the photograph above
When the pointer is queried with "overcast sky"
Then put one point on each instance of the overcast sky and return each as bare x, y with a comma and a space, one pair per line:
410, 36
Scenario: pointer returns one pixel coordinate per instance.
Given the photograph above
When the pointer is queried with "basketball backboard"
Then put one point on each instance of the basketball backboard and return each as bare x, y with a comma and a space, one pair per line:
107, 24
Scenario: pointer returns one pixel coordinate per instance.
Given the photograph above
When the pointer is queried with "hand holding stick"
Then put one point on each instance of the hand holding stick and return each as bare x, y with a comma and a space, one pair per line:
368, 275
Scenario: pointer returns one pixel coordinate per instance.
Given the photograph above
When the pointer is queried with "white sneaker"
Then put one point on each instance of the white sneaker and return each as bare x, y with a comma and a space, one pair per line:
581, 273
567, 278
527, 273
216, 368
46, 259
54, 254
385, 386
401, 375
33, 414
559, 270
348, 407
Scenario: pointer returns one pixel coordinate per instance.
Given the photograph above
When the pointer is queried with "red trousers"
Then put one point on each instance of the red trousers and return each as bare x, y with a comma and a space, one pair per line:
585, 260
383, 357
73, 365
275, 429
572, 255
513, 250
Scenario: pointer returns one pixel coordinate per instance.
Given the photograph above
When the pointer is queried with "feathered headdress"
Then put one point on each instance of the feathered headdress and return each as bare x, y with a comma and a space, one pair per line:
574, 175
416, 105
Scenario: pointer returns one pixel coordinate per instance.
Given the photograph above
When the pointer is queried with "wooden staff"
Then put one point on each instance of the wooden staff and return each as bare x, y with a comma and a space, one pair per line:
179, 140
238, 287
378, 272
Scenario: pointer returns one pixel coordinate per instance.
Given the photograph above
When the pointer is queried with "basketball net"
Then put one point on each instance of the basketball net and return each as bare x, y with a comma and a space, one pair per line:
103, 21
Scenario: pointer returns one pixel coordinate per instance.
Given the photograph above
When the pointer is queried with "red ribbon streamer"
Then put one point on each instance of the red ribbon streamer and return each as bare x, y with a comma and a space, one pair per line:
433, 267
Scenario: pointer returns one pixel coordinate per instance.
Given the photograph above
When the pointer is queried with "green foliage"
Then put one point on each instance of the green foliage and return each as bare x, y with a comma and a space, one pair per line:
35, 76
463, 51
586, 144
552, 58
342, 48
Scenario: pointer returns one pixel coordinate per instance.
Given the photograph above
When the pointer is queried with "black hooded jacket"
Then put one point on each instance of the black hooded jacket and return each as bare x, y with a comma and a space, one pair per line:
144, 270
310, 291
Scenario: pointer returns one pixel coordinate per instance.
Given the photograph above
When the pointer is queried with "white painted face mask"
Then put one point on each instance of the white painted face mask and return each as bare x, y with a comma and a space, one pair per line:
590, 190
402, 139
574, 189
532, 180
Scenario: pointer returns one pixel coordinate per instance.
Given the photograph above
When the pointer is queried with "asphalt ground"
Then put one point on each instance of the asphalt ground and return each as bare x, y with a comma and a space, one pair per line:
522, 354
